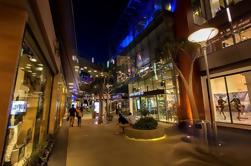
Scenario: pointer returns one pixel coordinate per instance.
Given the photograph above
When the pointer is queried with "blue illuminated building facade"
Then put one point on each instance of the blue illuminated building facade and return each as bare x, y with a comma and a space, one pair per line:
144, 29
138, 15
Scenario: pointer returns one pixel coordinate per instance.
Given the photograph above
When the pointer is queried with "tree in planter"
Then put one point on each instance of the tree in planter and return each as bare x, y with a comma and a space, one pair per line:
173, 49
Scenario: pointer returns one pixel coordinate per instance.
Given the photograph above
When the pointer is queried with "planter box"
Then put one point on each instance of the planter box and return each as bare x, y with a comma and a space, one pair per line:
144, 134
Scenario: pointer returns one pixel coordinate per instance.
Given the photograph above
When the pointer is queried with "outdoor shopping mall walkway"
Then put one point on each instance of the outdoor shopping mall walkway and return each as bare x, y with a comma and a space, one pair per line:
98, 145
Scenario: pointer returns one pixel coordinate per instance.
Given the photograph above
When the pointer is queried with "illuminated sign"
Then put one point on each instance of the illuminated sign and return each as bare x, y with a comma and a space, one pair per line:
134, 94
18, 107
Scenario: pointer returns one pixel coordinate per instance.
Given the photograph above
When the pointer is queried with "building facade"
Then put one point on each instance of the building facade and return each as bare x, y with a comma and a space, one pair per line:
228, 58
150, 75
229, 63
33, 85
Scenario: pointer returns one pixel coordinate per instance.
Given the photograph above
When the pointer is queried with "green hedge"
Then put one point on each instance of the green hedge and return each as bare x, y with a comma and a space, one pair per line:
146, 123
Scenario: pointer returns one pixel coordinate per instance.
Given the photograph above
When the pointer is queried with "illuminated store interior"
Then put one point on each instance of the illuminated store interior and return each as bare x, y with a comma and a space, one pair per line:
156, 92
29, 114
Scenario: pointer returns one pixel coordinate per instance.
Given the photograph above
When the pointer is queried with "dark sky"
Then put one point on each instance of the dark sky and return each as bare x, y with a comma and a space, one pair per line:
94, 21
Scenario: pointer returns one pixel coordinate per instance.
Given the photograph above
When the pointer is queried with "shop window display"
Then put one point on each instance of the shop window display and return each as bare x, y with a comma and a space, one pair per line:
231, 98
30, 107
157, 94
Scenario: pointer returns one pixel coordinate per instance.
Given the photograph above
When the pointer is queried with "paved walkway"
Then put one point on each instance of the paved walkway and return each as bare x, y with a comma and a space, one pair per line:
98, 145
59, 153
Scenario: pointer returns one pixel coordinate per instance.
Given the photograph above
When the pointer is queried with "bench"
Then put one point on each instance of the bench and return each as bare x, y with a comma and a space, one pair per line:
123, 126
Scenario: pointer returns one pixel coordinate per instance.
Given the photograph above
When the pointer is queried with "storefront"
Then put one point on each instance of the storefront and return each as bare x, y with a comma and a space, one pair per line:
231, 91
156, 92
120, 102
29, 115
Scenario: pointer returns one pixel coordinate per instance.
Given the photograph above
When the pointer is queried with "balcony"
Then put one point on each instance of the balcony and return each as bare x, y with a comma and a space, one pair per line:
228, 56
237, 10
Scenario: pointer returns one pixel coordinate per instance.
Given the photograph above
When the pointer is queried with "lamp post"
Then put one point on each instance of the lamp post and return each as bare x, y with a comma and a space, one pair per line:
201, 37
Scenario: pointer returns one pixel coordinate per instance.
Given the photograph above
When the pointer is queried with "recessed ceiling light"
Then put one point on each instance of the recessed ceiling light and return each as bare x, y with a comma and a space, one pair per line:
70, 83
95, 71
85, 67
33, 59
39, 68
27, 67
22, 68
89, 71
28, 64
29, 71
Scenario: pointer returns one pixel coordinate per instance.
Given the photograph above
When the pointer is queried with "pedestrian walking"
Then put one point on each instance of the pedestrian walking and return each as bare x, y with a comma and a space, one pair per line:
79, 116
72, 114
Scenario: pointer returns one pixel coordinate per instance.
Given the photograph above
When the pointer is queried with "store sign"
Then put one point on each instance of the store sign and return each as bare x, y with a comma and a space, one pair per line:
18, 107
135, 94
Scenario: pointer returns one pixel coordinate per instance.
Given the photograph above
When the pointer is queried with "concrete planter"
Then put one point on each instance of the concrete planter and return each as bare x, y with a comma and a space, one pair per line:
144, 134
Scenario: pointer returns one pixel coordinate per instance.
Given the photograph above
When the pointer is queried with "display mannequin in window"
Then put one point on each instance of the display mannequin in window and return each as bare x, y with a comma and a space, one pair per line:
221, 106
237, 105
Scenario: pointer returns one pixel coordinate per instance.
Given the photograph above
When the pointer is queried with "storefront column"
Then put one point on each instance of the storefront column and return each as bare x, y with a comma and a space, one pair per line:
184, 25
54, 104
12, 23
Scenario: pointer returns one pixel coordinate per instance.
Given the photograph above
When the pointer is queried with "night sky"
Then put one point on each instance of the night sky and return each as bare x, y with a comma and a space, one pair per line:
95, 21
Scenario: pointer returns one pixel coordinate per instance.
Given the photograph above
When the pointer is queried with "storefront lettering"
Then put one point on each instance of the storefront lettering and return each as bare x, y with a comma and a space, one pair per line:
136, 94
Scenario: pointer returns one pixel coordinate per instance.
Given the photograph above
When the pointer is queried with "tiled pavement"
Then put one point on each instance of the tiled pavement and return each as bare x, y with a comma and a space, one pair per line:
98, 145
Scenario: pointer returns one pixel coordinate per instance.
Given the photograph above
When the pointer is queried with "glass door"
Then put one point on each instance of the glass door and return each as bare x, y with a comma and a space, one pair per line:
162, 108
220, 100
239, 89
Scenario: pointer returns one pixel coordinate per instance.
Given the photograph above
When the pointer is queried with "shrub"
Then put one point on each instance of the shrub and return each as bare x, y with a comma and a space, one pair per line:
146, 123
144, 112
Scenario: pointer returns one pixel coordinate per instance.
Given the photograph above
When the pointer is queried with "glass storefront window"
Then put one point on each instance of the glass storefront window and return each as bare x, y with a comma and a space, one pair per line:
220, 100
216, 6
231, 98
239, 89
30, 108
160, 106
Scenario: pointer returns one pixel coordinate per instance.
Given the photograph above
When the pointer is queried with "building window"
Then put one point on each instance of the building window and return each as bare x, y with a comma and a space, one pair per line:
199, 16
231, 98
29, 113
238, 32
158, 94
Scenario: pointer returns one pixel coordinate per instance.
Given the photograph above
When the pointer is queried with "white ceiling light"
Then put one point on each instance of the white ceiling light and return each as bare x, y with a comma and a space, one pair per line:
41, 65
32, 59
39, 68
70, 83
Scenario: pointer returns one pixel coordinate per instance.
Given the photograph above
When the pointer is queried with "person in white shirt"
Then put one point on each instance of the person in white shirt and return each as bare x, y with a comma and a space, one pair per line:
131, 119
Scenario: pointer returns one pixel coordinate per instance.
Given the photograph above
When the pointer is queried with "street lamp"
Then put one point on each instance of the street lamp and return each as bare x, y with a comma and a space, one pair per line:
201, 37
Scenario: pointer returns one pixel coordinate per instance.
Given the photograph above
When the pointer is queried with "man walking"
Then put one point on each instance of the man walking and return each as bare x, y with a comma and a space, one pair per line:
72, 112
